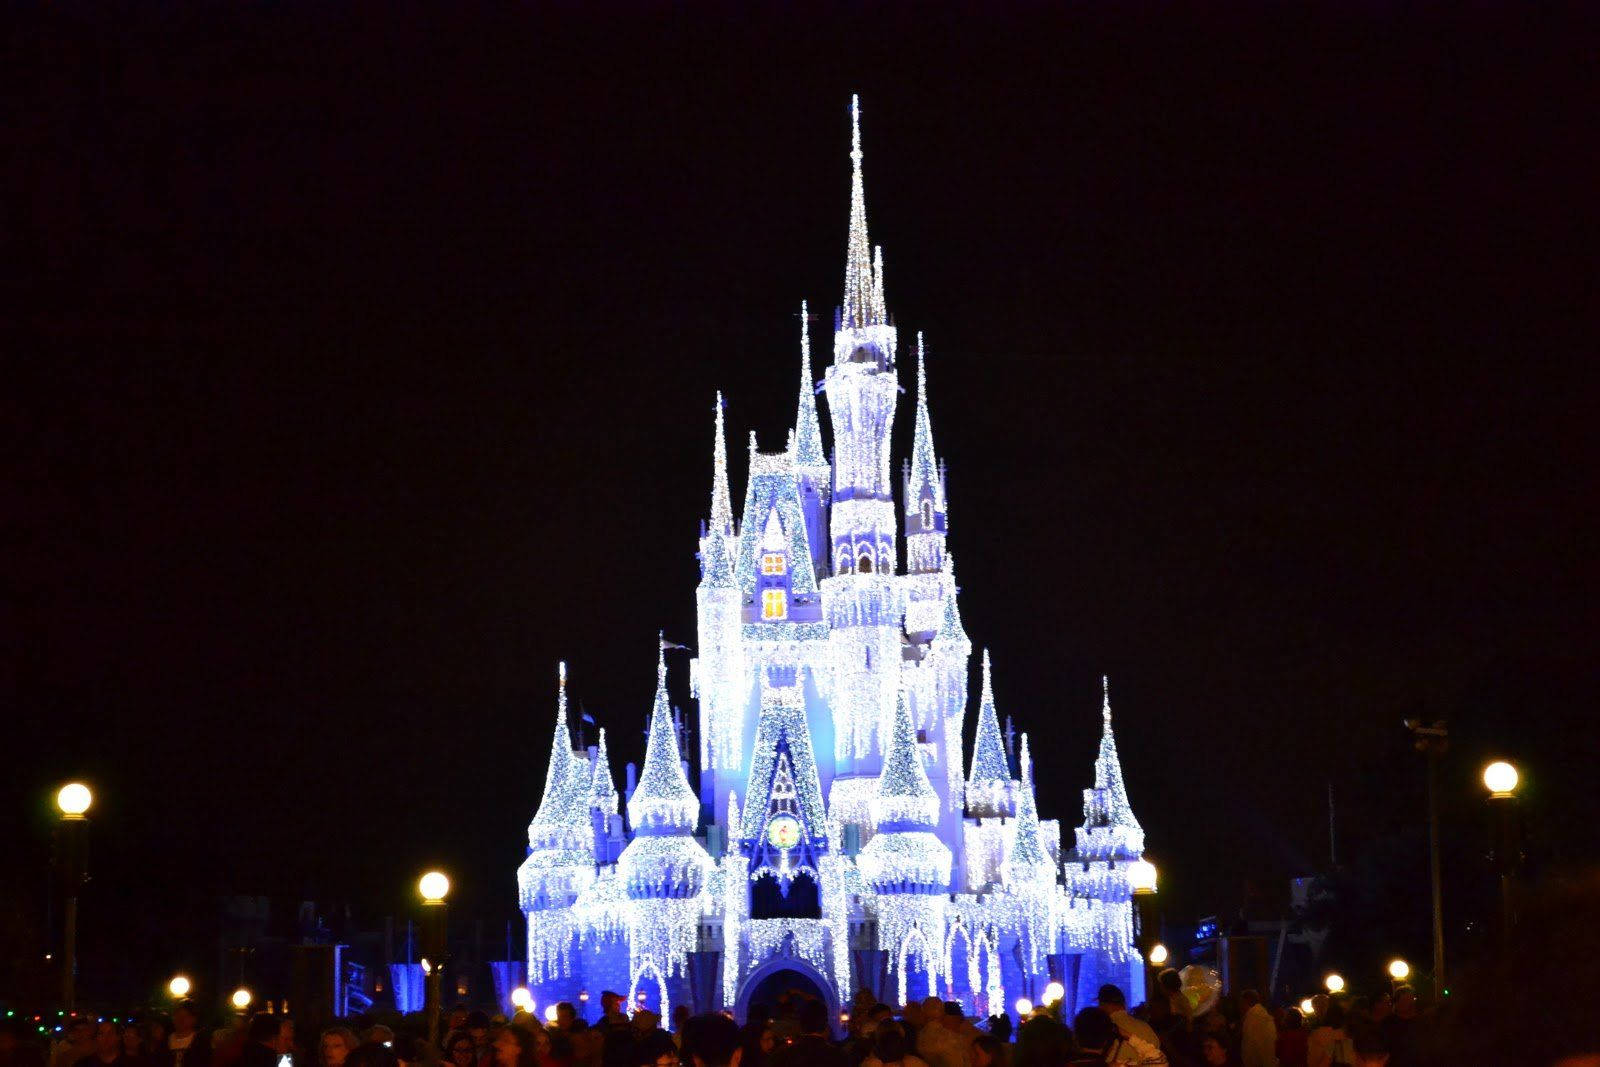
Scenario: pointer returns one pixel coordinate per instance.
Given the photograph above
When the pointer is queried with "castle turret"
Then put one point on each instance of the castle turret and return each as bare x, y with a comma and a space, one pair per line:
813, 472
865, 608
926, 518
561, 850
906, 864
989, 781
664, 868
715, 674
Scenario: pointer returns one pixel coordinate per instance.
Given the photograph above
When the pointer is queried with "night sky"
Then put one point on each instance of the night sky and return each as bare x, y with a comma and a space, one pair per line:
360, 366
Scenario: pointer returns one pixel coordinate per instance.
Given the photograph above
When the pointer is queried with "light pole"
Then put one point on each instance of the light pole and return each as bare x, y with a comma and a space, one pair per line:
1500, 778
434, 887
1142, 876
72, 866
1431, 739
241, 1000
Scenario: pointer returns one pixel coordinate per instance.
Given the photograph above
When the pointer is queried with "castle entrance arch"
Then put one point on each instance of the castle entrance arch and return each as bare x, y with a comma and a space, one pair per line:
782, 974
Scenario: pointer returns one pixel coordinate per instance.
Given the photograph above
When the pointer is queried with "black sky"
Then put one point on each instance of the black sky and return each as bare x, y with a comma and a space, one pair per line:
360, 366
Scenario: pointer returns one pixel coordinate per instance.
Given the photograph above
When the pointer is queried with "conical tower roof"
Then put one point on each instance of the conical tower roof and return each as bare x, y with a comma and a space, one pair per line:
1108, 769
905, 796
989, 782
562, 821
863, 290
1026, 860
602, 787
662, 802
808, 453
924, 464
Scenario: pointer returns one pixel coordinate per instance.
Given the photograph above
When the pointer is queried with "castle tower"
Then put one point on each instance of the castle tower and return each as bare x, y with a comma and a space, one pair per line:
717, 674
989, 781
812, 470
926, 517
664, 869
906, 864
561, 852
863, 601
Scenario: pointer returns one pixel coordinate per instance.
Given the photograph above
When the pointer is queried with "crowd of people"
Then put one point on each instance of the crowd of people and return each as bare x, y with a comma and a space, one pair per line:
796, 1031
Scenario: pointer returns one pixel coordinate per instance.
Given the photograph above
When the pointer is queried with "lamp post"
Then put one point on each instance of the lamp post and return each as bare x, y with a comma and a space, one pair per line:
241, 1000
1142, 877
1500, 779
434, 887
179, 987
72, 867
1431, 739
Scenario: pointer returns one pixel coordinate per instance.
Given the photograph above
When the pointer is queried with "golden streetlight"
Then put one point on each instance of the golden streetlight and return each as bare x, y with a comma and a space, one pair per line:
1054, 992
434, 887
241, 998
74, 800
179, 987
1500, 778
1334, 983
1158, 955
1024, 1006
1399, 969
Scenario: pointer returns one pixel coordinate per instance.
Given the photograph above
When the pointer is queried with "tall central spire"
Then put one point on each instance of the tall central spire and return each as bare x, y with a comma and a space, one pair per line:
721, 500
863, 289
808, 434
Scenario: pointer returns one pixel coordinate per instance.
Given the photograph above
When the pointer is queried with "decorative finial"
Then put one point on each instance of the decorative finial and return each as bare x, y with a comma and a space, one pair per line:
805, 338
1105, 692
922, 372
661, 657
561, 672
752, 442
855, 130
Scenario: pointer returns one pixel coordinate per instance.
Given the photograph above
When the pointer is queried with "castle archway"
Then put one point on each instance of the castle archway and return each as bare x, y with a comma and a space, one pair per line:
781, 974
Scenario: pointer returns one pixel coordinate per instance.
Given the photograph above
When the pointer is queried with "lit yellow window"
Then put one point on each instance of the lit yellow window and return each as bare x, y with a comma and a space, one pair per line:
772, 563
773, 604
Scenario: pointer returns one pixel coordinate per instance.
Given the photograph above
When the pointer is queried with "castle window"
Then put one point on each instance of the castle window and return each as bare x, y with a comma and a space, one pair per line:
927, 514
864, 564
772, 563
773, 604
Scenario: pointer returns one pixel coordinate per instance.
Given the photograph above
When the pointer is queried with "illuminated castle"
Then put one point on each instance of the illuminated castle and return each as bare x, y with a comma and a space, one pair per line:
840, 836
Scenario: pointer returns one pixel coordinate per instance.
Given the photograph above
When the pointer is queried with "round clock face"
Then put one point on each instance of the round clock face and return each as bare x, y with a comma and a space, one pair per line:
783, 832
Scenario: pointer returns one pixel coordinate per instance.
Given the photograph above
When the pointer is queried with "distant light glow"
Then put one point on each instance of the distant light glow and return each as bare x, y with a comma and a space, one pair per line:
1024, 1006
1158, 955
1142, 877
1054, 992
1399, 970
1334, 983
1307, 1008
522, 999
1500, 778
241, 998
74, 799
179, 986
434, 886
550, 1014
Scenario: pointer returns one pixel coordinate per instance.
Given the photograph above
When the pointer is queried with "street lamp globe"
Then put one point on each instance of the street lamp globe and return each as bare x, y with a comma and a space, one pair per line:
522, 999
1142, 877
179, 987
1307, 1008
1158, 955
1500, 778
241, 998
1334, 983
1054, 992
1024, 1006
550, 1014
1399, 970
433, 887
74, 799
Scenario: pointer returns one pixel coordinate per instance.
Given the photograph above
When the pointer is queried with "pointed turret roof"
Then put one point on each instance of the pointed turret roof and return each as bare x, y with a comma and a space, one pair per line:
924, 464
1108, 769
862, 288
602, 787
808, 451
1026, 860
562, 821
951, 633
663, 801
904, 793
989, 783
721, 499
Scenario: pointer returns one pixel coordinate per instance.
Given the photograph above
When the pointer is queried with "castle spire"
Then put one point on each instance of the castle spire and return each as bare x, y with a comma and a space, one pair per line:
1108, 769
662, 802
862, 289
808, 434
602, 787
721, 498
1026, 860
562, 821
989, 783
924, 464
905, 796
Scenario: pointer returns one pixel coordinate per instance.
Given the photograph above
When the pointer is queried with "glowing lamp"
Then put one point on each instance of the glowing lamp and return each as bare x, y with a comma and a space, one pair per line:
427, 968
1142, 877
550, 1014
1399, 970
179, 987
1500, 778
1334, 983
1158, 955
241, 998
1054, 992
1307, 1008
584, 996
1024, 1006
522, 999
433, 887
74, 799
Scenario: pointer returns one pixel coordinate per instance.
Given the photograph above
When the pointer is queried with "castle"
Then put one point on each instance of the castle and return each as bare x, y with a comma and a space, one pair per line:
840, 836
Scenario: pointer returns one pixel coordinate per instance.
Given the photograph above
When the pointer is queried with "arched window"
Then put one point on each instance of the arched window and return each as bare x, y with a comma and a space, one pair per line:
927, 515
844, 560
864, 564
774, 605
